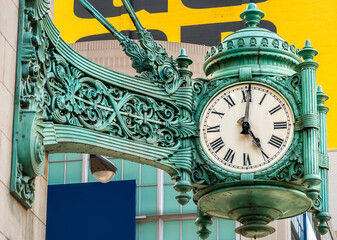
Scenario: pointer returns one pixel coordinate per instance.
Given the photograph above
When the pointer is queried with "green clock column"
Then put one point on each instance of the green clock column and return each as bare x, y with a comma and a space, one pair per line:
184, 184
323, 216
307, 70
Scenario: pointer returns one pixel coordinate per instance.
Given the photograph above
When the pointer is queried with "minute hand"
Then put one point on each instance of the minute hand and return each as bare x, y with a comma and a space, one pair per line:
256, 141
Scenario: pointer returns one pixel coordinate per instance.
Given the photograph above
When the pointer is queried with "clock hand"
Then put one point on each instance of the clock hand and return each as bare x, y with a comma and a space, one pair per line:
256, 141
244, 120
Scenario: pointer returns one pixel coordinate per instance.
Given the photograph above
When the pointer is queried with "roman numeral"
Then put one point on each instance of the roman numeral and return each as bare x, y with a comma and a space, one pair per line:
217, 144
262, 98
280, 125
218, 113
246, 159
276, 141
229, 100
229, 156
214, 129
264, 155
274, 110
244, 97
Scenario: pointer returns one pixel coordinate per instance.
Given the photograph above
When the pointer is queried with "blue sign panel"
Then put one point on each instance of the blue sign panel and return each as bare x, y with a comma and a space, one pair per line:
92, 211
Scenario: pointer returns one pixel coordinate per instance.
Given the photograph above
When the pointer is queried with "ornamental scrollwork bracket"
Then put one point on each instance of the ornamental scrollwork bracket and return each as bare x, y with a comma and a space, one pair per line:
28, 159
66, 103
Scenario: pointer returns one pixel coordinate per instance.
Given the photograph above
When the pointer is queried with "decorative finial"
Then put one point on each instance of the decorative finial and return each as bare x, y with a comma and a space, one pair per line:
321, 96
183, 52
252, 16
183, 60
308, 53
322, 226
203, 221
319, 89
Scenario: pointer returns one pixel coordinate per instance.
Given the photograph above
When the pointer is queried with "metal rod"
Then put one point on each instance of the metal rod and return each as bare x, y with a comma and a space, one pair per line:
102, 20
133, 15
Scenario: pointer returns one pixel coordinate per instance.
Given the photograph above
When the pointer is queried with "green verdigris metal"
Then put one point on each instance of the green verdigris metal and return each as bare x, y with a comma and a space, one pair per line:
66, 103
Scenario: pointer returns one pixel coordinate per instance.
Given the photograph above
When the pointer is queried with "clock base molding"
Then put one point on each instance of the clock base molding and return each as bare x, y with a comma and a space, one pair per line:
254, 206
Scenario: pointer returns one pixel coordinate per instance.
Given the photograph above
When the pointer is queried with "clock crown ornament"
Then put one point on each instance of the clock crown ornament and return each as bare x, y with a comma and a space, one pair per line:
259, 48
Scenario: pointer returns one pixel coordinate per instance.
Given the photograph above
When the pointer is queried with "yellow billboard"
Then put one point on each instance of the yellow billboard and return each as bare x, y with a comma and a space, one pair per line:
208, 22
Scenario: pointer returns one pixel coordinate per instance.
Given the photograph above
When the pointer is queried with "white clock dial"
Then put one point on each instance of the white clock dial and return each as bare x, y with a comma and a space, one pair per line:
246, 136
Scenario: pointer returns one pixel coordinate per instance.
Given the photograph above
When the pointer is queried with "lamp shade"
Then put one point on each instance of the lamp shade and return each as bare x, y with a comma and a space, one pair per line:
102, 169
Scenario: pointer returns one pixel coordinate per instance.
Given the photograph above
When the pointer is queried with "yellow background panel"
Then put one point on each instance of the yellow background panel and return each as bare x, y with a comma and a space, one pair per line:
295, 20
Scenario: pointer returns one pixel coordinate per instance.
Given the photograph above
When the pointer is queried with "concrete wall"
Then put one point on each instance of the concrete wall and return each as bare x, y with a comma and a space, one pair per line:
16, 222
111, 55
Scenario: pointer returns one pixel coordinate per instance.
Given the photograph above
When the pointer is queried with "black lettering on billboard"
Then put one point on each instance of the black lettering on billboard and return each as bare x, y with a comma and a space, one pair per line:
210, 34
107, 9
157, 35
199, 4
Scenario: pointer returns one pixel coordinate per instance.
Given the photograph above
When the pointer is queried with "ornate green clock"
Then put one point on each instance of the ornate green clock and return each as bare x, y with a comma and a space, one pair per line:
249, 140
246, 127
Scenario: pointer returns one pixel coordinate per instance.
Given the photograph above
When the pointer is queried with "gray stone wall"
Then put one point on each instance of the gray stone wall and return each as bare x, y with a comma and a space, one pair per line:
16, 223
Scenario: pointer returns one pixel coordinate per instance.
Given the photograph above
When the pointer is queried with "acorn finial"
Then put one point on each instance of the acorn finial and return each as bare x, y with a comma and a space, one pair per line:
183, 60
308, 52
252, 15
321, 96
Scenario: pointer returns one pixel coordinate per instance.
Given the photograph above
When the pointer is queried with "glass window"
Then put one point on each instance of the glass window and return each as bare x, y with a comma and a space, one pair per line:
74, 156
189, 230
149, 175
190, 207
56, 157
137, 201
137, 231
171, 230
91, 177
298, 227
74, 172
118, 164
56, 173
226, 229
131, 171
171, 206
148, 200
167, 178
148, 231
213, 229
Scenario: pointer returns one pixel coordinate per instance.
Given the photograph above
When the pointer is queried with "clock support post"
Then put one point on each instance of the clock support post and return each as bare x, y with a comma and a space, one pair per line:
322, 215
307, 70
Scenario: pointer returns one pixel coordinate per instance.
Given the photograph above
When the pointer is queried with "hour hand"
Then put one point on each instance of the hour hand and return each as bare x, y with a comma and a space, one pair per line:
245, 126
244, 120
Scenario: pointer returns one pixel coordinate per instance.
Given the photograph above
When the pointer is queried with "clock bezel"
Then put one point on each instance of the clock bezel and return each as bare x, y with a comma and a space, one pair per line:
269, 82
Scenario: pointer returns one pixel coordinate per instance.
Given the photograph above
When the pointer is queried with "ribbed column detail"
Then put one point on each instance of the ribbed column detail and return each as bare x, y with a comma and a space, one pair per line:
310, 134
323, 215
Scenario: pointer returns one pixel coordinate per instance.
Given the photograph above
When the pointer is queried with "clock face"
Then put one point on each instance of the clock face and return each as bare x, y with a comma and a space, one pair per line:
246, 128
